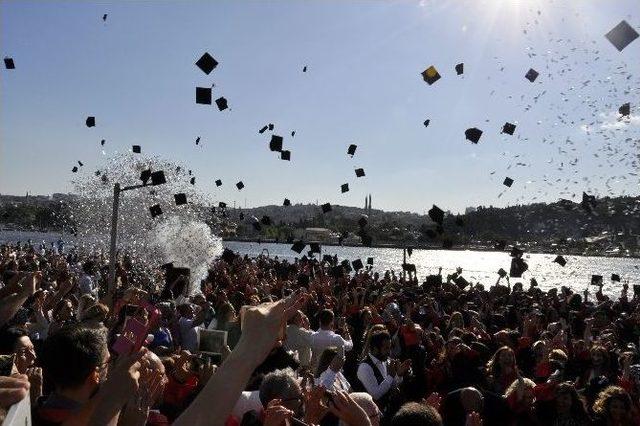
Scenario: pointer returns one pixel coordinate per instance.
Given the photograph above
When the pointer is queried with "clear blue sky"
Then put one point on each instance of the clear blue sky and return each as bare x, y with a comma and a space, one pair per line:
136, 75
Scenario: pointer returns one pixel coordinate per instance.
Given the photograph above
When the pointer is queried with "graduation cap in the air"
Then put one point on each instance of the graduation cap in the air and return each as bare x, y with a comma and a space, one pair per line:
369, 260
344, 187
508, 128
155, 210
621, 35
102, 142
197, 140
357, 264
285, 155
298, 246
207, 63
293, 133
192, 180
239, 185
426, 122
80, 163
615, 277
436, 214
136, 149
75, 169
362, 222
218, 182
314, 247
180, 198
359, 172
8, 63
473, 134
203, 95
430, 75
221, 102
304, 69
157, 178
222, 205
276, 143
327, 258
508, 182
326, 207
264, 129
352, 149
271, 126
502, 273
104, 17
91, 121
560, 260
625, 110
286, 202
531, 75
596, 279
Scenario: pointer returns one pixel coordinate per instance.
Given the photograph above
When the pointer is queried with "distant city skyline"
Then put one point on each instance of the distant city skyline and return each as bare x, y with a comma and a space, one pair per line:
135, 73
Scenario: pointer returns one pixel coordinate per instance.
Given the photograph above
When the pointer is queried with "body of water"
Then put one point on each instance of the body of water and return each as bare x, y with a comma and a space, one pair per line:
478, 266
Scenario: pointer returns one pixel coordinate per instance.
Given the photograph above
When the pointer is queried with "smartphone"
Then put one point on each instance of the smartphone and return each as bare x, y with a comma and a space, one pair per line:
132, 337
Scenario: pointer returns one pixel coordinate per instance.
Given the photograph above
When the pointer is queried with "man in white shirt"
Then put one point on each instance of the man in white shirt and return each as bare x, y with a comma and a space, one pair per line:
298, 338
377, 373
188, 326
325, 337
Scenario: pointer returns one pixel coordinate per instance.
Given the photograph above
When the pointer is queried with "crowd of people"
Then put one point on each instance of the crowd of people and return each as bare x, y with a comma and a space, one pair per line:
306, 342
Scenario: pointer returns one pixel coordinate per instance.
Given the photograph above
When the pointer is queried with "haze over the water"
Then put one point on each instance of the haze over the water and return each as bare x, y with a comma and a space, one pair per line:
135, 73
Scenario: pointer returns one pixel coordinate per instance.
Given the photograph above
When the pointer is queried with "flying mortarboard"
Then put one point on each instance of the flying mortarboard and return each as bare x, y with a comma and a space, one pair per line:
436, 214
104, 17
298, 246
157, 178
430, 75
426, 122
357, 264
304, 69
293, 133
218, 182
560, 260
369, 260
207, 63
285, 155
344, 187
326, 207
621, 35
239, 185
596, 279
460, 68
264, 129
8, 63
276, 143
222, 205
473, 134
615, 277
136, 149
359, 172
203, 95
197, 140
625, 110
91, 121
75, 169
155, 210
286, 202
180, 198
314, 247
145, 175
271, 126
80, 163
102, 142
193, 180
508, 182
508, 128
352, 149
222, 103
531, 75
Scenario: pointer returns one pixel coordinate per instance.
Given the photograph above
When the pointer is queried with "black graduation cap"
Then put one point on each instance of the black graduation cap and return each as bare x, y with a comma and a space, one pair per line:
80, 163
369, 260
359, 172
203, 95
473, 134
102, 142
426, 122
326, 208
352, 149
459, 221
197, 140
314, 247
180, 198
285, 155
625, 109
518, 267
206, 63
531, 75
362, 222
75, 169
286, 202
221, 102
327, 258
8, 63
304, 69
222, 205
447, 244
155, 210
239, 185
516, 252
344, 187
271, 126
104, 17
430, 75
136, 149
460, 68
621, 35
596, 279
298, 246
293, 133
508, 128
436, 214
264, 129
218, 182
615, 277
157, 178
357, 264
192, 180
500, 245
502, 273
409, 251
91, 121
560, 260
508, 182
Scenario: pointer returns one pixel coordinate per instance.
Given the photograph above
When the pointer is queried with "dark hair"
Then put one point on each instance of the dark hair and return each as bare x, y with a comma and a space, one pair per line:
72, 353
413, 413
378, 338
9, 337
325, 359
325, 317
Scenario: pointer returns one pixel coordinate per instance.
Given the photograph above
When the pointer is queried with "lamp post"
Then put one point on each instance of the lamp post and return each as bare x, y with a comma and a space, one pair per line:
157, 178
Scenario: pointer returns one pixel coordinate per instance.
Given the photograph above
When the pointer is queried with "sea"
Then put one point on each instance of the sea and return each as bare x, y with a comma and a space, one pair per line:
477, 266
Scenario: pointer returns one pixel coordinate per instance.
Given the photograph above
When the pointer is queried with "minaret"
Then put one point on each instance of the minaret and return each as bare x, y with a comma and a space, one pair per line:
365, 204
369, 204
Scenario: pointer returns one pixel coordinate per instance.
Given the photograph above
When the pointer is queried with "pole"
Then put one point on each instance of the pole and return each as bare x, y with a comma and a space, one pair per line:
404, 262
112, 248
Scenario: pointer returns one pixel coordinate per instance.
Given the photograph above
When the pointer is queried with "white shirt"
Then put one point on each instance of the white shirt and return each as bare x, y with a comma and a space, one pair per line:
248, 401
323, 339
298, 339
368, 379
188, 335
333, 381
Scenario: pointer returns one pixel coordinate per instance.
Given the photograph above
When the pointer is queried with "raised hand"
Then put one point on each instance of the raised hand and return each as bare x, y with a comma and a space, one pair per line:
276, 414
13, 389
347, 410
